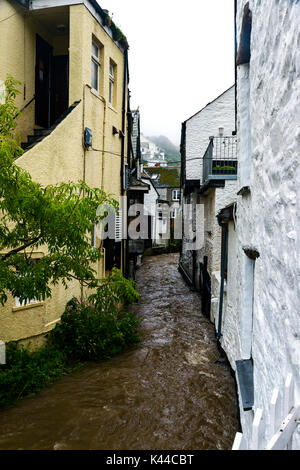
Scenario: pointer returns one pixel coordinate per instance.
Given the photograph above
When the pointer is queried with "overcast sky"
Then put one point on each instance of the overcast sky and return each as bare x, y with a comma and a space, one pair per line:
181, 57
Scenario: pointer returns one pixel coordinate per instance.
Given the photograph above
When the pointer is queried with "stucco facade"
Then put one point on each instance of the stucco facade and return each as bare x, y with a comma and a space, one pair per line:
61, 156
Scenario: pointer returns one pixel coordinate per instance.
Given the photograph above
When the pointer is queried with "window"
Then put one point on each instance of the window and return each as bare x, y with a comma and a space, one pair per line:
173, 213
18, 302
244, 51
112, 83
95, 78
176, 195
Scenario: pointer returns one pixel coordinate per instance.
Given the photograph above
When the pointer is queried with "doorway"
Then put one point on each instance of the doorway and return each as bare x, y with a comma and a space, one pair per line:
51, 84
43, 83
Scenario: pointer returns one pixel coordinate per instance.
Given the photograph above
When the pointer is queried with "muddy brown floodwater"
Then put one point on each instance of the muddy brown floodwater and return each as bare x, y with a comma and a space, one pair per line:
167, 393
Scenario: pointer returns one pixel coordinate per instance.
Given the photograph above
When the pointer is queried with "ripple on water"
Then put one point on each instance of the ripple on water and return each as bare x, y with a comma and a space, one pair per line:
167, 393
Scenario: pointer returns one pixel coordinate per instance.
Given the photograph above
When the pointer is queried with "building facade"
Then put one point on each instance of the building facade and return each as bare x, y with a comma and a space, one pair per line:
261, 335
151, 154
74, 99
209, 182
166, 182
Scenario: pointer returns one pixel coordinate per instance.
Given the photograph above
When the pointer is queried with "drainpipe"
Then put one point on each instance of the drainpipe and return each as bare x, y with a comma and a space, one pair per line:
103, 143
235, 66
224, 225
125, 82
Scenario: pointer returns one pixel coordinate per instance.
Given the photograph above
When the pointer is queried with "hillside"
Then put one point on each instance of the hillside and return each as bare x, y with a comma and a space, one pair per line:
171, 151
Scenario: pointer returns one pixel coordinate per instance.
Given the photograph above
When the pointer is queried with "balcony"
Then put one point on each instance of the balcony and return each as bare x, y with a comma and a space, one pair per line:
220, 159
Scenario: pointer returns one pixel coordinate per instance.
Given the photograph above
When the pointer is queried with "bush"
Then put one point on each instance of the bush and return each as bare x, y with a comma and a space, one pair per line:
91, 330
86, 332
26, 373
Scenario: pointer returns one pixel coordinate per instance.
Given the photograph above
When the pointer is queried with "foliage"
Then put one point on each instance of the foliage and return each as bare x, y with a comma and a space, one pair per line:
96, 329
117, 34
60, 217
172, 153
8, 110
107, 20
225, 168
114, 289
27, 372
87, 333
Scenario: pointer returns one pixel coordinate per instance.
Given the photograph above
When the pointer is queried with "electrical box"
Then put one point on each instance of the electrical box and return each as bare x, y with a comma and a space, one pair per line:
88, 137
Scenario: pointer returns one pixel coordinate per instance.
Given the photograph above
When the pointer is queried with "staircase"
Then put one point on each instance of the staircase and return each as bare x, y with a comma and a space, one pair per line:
32, 140
40, 134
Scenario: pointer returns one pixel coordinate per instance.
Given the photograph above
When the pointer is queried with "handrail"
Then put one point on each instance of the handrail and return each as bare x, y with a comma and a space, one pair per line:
26, 105
220, 159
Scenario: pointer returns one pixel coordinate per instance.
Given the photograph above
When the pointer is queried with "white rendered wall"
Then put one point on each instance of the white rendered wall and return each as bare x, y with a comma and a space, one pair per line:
206, 123
150, 199
268, 219
216, 200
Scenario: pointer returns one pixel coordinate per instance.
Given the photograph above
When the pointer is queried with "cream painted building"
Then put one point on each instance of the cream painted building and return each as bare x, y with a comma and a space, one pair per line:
74, 74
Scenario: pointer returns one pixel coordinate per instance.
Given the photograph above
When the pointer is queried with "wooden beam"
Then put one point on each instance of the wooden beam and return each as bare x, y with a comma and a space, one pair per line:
282, 438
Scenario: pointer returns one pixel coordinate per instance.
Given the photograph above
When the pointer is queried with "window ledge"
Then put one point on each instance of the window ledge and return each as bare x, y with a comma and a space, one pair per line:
28, 307
96, 93
112, 109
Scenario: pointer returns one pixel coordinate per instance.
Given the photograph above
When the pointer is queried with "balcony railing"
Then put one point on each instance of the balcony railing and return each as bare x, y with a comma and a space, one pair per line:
220, 159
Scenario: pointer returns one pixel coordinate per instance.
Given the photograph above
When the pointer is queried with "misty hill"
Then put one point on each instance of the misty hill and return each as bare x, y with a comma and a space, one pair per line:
171, 151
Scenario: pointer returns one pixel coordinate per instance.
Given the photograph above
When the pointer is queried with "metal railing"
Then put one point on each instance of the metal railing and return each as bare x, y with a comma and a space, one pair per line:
220, 159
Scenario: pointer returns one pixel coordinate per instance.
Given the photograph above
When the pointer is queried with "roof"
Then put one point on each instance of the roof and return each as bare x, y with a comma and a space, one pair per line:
92, 5
168, 177
136, 184
191, 117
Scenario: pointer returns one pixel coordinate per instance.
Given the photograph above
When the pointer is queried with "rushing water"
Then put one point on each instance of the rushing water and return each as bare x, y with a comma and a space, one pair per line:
168, 393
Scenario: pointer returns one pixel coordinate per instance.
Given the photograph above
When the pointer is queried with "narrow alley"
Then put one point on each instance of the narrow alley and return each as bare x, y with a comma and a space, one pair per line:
168, 393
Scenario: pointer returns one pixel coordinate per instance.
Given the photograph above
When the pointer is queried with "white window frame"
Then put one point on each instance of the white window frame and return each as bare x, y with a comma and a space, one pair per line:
111, 83
176, 193
97, 61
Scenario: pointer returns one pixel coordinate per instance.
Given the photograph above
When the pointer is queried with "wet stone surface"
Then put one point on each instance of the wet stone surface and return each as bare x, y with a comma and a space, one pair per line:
167, 393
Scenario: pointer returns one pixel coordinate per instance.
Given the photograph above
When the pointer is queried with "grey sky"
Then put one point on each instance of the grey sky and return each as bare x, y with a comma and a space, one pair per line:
181, 57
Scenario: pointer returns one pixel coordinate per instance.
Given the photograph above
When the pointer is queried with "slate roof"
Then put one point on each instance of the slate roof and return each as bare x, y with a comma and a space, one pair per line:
168, 177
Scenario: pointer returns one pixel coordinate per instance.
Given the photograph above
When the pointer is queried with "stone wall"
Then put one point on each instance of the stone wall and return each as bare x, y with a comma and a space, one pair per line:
268, 218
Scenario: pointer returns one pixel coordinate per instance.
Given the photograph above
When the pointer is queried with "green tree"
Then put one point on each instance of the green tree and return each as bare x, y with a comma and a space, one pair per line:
60, 217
